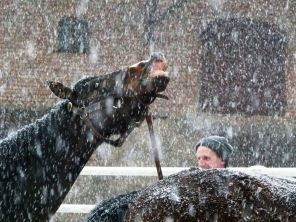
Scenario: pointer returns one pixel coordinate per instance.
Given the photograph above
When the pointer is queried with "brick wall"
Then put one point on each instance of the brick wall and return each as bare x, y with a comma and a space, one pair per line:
120, 37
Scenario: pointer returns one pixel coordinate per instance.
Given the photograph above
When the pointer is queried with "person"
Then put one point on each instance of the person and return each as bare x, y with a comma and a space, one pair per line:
213, 152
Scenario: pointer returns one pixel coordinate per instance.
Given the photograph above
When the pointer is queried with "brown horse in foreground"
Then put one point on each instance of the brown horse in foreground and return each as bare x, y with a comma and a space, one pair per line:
205, 195
40, 162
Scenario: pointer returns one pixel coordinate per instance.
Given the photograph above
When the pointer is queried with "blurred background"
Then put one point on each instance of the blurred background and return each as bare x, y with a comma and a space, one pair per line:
231, 64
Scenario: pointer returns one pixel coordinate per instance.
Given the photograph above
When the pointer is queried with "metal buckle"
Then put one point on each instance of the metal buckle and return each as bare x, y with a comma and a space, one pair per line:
83, 114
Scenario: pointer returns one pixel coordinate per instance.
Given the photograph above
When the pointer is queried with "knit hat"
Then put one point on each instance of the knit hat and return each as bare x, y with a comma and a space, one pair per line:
218, 144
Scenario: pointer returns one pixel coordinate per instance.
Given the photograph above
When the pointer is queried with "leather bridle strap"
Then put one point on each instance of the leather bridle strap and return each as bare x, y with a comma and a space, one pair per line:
97, 134
82, 112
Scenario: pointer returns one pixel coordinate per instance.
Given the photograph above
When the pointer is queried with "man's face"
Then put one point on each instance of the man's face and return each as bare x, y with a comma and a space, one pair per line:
207, 158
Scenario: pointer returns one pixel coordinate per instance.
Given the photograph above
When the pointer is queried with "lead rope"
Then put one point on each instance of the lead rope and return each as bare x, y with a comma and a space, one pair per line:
154, 147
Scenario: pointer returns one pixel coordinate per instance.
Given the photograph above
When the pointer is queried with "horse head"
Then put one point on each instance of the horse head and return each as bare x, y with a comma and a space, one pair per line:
115, 103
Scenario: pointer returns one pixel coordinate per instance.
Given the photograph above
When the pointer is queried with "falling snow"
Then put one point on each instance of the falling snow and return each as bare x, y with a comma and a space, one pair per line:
232, 73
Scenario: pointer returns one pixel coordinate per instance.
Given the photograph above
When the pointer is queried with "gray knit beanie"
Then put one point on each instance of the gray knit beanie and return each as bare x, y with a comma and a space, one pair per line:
218, 144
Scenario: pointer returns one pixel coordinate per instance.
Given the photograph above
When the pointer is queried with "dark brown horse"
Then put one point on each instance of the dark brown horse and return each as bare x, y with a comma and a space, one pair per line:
205, 195
40, 162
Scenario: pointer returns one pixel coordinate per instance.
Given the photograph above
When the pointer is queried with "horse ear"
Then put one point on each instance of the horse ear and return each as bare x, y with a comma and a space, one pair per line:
59, 89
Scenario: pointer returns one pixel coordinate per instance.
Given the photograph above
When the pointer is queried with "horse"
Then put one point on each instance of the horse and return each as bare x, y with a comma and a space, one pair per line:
40, 162
195, 194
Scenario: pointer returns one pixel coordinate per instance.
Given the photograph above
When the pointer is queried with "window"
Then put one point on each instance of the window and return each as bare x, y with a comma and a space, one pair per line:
73, 35
243, 63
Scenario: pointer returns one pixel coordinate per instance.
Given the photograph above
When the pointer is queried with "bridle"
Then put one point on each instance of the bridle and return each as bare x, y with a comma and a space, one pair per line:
83, 112
146, 101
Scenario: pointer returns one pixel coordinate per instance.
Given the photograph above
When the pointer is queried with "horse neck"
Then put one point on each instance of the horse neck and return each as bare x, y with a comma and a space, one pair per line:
44, 159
